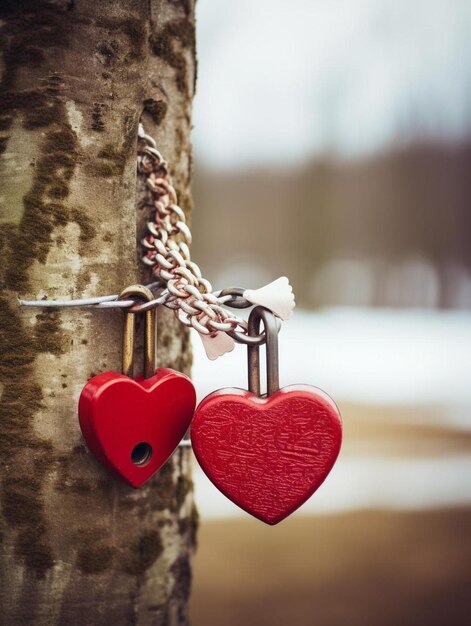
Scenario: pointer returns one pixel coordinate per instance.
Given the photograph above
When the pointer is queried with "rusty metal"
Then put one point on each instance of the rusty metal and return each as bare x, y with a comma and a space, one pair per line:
167, 252
258, 315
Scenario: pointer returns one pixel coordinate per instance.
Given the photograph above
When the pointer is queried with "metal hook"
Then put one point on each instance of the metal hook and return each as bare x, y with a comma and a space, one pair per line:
127, 363
237, 300
260, 314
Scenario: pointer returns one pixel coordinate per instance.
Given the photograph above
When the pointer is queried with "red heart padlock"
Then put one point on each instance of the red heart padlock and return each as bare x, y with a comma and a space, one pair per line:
133, 426
267, 455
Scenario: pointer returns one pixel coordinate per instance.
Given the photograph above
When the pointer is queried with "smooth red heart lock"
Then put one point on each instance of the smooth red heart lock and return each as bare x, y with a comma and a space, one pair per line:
133, 426
267, 455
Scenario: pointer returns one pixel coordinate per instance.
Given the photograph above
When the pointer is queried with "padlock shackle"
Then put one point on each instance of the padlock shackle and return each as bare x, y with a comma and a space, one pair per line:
129, 331
260, 314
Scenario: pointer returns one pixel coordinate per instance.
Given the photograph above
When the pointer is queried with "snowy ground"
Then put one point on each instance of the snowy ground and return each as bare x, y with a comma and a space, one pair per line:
380, 357
367, 356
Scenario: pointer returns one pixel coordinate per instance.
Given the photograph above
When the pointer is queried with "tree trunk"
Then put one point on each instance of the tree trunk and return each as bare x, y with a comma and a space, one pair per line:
78, 547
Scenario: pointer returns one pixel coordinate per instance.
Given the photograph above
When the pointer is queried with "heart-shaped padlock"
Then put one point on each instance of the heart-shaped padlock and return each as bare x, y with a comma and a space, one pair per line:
267, 454
133, 426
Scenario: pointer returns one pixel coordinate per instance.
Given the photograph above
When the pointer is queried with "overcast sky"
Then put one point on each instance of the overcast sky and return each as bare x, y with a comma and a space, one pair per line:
286, 79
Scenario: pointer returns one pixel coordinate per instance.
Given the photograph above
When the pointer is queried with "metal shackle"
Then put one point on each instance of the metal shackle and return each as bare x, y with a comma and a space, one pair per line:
129, 330
260, 314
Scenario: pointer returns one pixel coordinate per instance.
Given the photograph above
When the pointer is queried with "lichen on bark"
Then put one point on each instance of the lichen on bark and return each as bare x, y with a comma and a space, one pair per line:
76, 77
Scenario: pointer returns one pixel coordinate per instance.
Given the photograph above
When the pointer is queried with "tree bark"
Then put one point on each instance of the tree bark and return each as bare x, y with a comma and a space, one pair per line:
78, 547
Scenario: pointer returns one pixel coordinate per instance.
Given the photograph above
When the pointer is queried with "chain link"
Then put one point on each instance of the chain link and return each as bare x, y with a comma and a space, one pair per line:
167, 251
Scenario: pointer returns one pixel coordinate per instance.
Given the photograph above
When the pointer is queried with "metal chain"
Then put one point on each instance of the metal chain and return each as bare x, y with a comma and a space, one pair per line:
179, 283
167, 252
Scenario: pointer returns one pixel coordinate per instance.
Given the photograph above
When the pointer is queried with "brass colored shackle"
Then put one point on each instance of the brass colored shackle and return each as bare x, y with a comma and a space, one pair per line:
260, 314
129, 330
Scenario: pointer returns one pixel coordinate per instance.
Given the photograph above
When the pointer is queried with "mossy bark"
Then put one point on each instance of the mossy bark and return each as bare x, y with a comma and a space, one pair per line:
77, 547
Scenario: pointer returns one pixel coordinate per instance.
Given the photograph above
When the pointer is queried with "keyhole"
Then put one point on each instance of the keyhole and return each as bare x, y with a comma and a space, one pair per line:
141, 453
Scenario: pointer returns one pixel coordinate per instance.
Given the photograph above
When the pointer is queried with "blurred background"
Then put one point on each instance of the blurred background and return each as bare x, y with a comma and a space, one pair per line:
333, 145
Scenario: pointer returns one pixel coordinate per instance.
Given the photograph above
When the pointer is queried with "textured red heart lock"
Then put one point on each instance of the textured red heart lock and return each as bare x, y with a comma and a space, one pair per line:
268, 454
133, 426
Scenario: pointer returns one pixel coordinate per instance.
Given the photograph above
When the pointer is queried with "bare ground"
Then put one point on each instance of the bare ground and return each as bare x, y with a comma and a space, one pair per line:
364, 568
